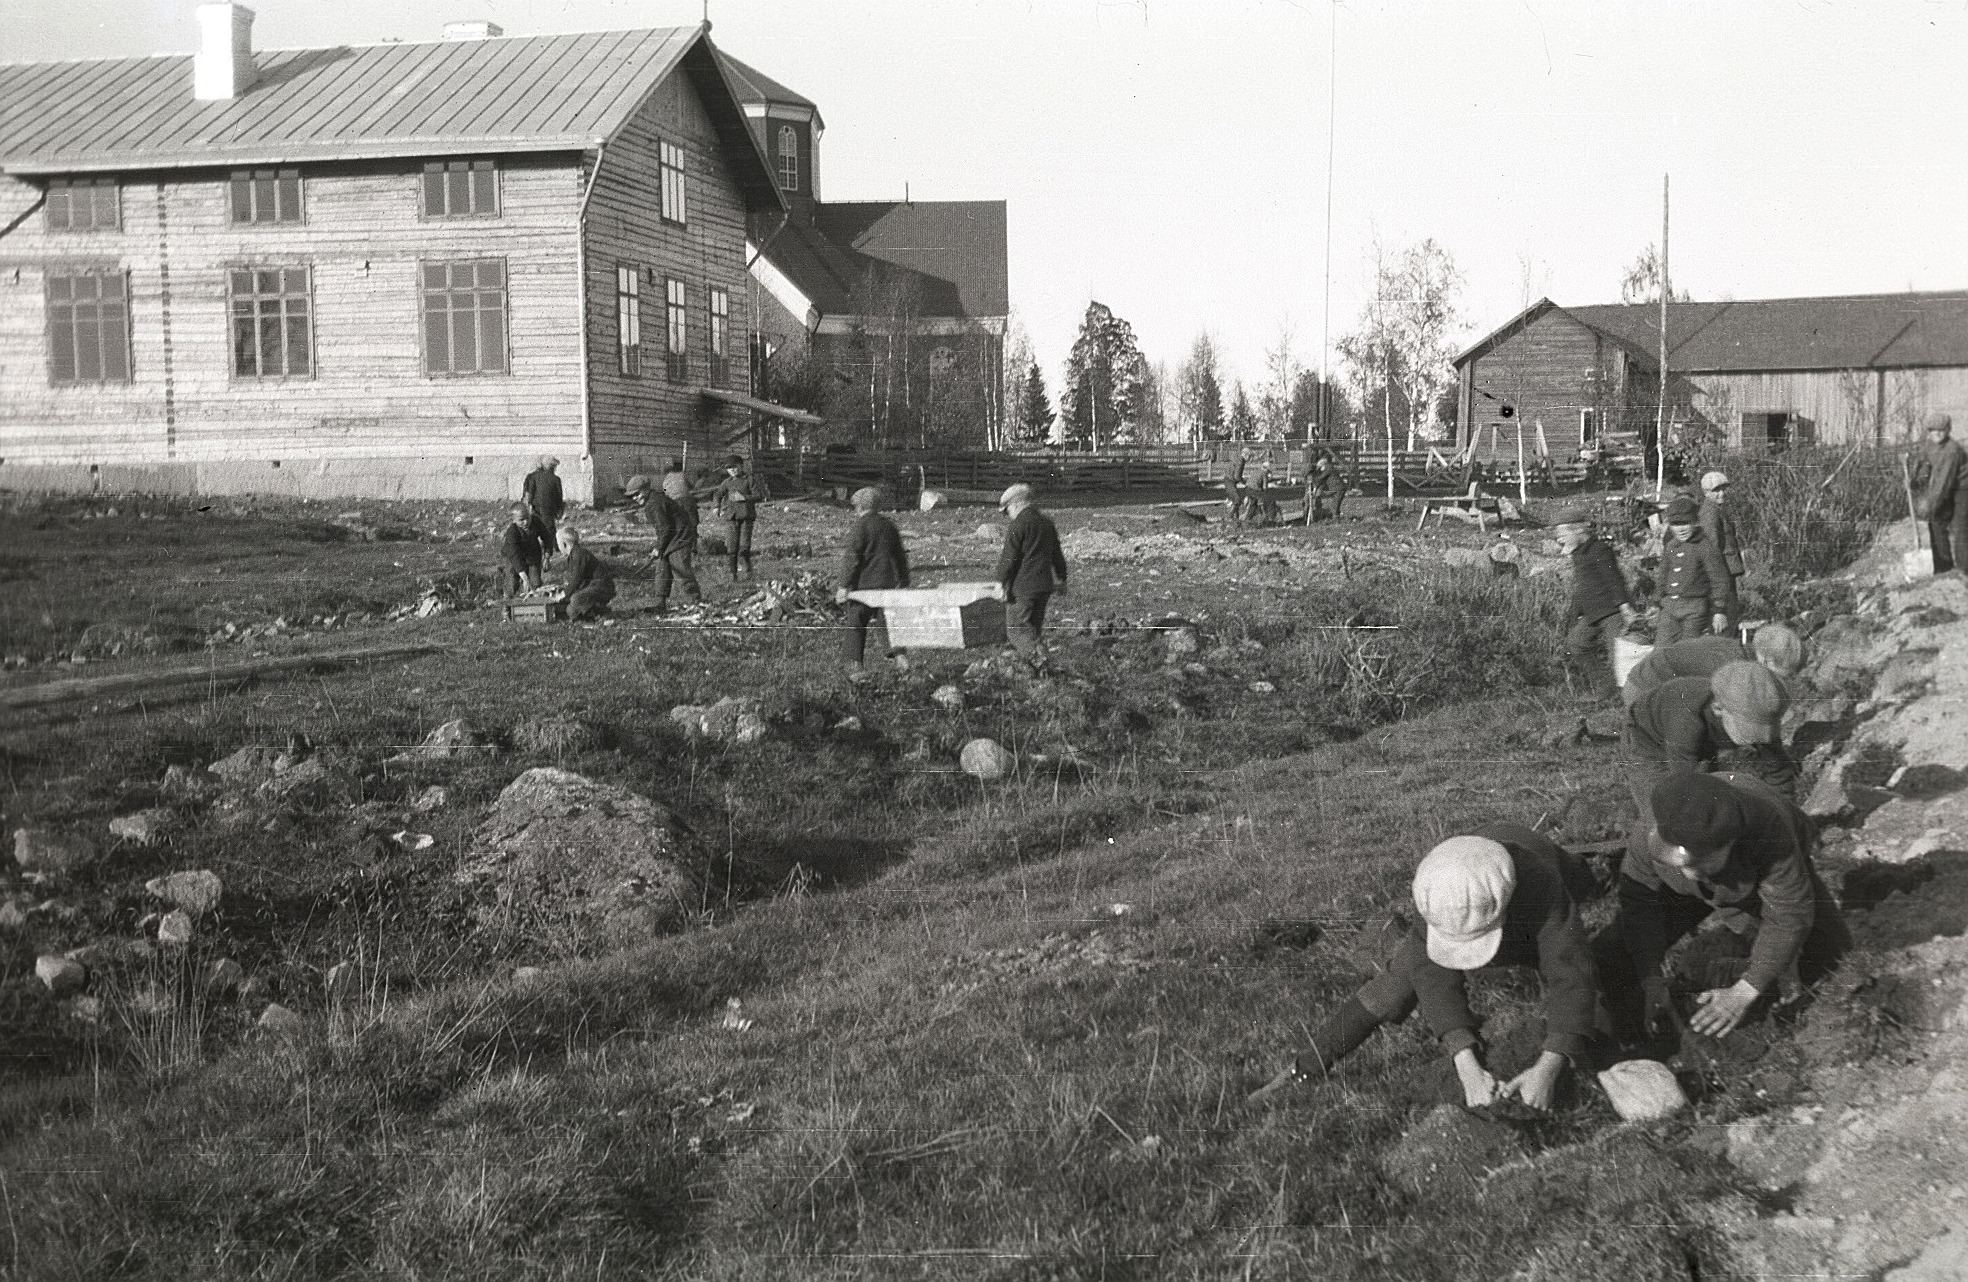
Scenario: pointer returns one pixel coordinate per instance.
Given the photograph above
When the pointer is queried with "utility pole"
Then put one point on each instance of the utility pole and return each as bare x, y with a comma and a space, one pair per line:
1660, 421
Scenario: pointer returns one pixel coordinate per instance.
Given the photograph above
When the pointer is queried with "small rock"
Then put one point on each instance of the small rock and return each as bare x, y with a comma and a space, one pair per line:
989, 531
144, 828
728, 718
527, 975
175, 930
431, 605
931, 500
432, 798
85, 1010
12, 916
224, 975
1182, 641
296, 777
248, 767
196, 892
277, 1019
185, 782
45, 851
950, 698
1263, 687
987, 759
62, 975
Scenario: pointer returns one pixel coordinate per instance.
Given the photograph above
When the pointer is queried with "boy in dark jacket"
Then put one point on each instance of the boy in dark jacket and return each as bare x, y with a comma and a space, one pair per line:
519, 554
544, 502
1602, 607
1503, 896
1030, 569
1697, 592
873, 558
739, 501
672, 514
589, 585
1692, 723
1775, 646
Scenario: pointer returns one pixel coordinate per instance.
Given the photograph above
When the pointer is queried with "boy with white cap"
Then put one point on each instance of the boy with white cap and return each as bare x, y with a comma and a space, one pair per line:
1717, 526
1031, 568
1502, 896
1940, 475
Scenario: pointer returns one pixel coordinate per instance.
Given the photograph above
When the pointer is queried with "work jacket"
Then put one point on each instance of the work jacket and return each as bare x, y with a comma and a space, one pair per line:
1541, 929
1675, 725
585, 570
1719, 528
1694, 570
542, 489
1697, 657
734, 495
1032, 562
675, 522
1768, 877
1940, 477
520, 549
874, 556
1598, 587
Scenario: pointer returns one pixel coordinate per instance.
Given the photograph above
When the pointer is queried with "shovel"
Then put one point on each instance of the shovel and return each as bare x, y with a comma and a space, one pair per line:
1919, 563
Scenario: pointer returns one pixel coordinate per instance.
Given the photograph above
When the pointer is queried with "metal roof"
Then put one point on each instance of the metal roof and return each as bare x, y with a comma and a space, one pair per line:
752, 85
1853, 331
955, 251
503, 94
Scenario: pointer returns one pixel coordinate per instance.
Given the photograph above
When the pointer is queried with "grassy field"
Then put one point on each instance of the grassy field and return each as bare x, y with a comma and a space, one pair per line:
995, 1031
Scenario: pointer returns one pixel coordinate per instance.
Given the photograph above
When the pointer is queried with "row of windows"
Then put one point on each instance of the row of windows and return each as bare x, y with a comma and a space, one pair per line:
450, 189
271, 314
676, 326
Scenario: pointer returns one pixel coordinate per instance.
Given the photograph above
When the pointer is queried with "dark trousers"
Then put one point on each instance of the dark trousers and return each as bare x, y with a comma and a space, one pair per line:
1025, 621
1590, 645
675, 566
739, 546
1681, 617
1947, 533
543, 528
590, 601
854, 636
513, 578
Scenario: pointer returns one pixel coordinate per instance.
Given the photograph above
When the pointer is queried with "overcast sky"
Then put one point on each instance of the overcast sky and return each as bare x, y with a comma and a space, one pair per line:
1169, 157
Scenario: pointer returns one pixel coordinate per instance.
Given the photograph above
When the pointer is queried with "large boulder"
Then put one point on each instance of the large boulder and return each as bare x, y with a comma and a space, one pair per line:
45, 851
571, 866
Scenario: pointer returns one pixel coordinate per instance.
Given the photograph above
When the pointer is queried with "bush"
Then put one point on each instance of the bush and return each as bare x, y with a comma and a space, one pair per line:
1810, 511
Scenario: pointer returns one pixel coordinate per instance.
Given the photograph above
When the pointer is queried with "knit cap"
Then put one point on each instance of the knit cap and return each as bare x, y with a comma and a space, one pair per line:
674, 485
1750, 693
1697, 812
1461, 889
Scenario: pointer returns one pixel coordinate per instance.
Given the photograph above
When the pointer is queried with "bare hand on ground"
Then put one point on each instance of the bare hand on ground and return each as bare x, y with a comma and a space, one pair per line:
1538, 1084
1478, 1086
1722, 1009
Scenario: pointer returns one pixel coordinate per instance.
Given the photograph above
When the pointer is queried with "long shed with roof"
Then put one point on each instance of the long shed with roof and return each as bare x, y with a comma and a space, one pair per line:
404, 269
1763, 374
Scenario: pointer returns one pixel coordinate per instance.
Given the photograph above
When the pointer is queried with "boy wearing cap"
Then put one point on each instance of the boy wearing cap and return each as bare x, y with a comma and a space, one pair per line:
874, 558
1697, 593
1774, 646
1734, 847
673, 515
589, 585
1503, 896
740, 507
1940, 476
519, 554
1602, 607
1717, 526
543, 500
1690, 723
1031, 568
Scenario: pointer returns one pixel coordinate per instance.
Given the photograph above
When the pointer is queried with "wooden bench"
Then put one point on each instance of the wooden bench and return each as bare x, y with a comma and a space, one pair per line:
1473, 504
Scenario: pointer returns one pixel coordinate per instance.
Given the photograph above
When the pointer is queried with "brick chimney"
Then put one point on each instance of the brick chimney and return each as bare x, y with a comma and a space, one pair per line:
223, 66
478, 30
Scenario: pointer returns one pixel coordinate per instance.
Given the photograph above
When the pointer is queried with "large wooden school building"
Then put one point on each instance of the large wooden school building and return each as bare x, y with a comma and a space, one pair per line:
401, 270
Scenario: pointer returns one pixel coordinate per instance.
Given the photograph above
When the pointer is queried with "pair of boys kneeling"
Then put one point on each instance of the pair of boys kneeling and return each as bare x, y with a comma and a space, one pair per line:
1721, 845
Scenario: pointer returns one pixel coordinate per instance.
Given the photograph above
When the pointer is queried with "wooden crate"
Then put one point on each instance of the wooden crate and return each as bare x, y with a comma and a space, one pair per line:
956, 616
537, 610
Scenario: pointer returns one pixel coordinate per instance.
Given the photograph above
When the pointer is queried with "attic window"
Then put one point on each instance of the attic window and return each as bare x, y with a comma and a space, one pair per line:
676, 203
83, 204
266, 195
461, 189
789, 158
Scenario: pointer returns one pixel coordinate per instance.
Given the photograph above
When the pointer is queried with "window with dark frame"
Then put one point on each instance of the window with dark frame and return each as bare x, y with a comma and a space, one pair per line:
676, 352
84, 204
461, 189
465, 320
272, 323
89, 325
671, 179
789, 158
266, 196
628, 318
720, 337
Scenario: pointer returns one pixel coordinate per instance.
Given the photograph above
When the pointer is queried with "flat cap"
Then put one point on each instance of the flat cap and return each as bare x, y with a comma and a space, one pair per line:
1778, 648
1712, 481
1936, 422
1751, 694
1696, 811
636, 484
1683, 510
1019, 493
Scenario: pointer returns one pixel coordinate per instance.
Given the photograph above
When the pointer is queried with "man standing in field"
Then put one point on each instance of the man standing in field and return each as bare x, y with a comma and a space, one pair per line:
1940, 479
1774, 646
1697, 594
1502, 896
1731, 848
1030, 569
520, 554
873, 558
1718, 527
1233, 488
543, 500
1602, 607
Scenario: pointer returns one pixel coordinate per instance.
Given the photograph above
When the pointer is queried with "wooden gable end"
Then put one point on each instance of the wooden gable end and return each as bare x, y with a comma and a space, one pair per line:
1553, 371
647, 409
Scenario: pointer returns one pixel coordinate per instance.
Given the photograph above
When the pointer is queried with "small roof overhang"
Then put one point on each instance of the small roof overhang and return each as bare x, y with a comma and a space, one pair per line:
762, 406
